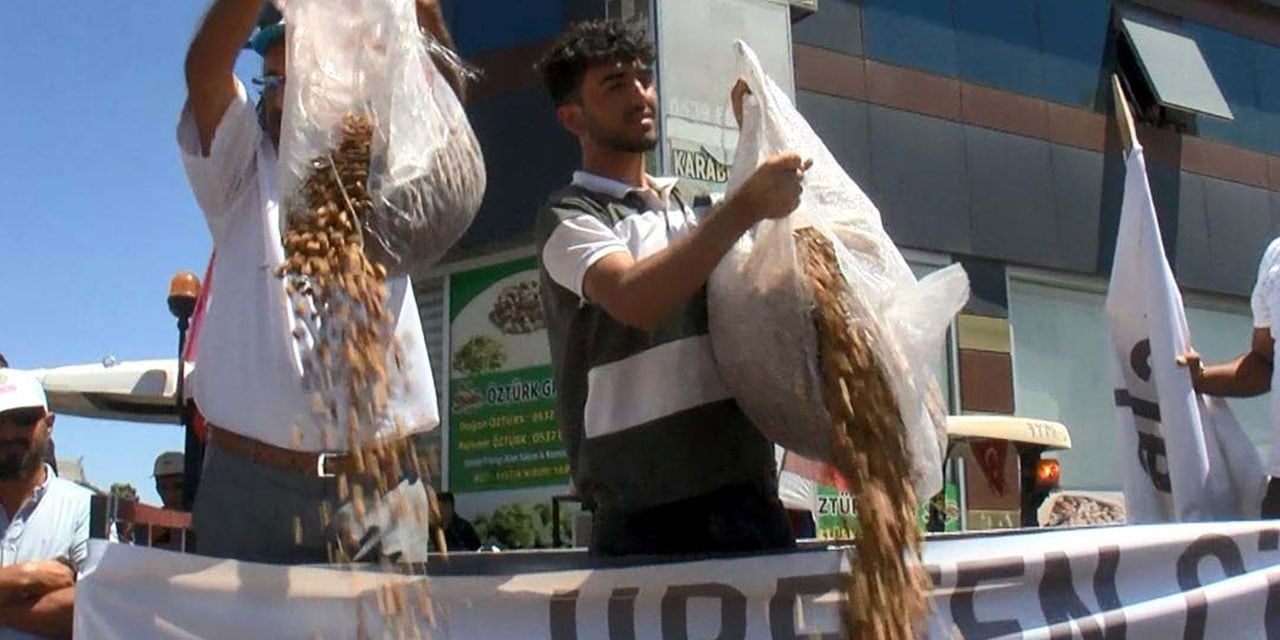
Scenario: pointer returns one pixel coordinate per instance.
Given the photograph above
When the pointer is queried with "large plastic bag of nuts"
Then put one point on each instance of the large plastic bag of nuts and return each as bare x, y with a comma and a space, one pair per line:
826, 338
777, 380
361, 72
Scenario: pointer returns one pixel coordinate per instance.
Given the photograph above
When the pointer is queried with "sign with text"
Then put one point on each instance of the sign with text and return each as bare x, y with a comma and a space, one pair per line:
699, 132
502, 428
837, 517
1185, 457
1189, 581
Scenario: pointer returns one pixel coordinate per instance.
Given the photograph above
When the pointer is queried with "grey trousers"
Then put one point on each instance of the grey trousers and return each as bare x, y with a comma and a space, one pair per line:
250, 512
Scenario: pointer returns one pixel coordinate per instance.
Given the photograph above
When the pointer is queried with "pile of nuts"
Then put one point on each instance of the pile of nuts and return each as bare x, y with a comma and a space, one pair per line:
1070, 510
886, 593
519, 308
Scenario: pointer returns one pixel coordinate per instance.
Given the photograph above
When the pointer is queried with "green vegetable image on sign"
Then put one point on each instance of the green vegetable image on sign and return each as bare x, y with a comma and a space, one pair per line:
478, 355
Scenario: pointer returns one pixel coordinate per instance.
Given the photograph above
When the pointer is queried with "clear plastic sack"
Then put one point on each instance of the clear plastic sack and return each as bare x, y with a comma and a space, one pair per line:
369, 58
761, 323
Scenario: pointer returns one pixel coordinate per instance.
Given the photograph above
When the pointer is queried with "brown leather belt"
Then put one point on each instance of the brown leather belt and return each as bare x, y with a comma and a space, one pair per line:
321, 464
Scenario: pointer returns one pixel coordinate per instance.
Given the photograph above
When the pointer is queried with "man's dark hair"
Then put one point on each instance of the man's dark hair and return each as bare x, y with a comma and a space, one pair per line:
588, 43
3, 363
446, 497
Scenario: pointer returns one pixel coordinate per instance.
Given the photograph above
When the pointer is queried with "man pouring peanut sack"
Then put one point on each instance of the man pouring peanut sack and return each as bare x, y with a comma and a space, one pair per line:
272, 490
658, 448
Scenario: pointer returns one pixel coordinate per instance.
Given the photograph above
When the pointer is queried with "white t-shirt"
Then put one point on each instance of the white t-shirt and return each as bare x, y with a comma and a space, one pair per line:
249, 375
577, 244
1266, 315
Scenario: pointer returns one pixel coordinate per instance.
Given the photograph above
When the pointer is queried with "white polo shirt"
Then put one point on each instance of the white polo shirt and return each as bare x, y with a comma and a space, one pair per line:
54, 523
249, 377
1266, 315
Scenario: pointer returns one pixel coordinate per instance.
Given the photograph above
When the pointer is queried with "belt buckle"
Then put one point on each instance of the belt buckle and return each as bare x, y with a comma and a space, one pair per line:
321, 458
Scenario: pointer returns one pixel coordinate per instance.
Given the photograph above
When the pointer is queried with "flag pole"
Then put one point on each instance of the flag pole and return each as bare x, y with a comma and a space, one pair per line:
1124, 117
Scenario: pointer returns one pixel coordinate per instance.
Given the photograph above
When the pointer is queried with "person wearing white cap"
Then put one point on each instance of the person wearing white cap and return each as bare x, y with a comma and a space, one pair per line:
168, 475
50, 456
45, 519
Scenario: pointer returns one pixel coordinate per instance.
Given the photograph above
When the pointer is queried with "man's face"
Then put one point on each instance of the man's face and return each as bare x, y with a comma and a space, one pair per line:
24, 436
616, 107
170, 489
273, 66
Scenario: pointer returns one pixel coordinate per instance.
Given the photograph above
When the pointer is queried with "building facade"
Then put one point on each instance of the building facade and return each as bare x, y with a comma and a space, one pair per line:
983, 131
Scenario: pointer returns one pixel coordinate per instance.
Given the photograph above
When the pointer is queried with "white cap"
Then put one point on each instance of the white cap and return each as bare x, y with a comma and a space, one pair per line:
20, 390
170, 463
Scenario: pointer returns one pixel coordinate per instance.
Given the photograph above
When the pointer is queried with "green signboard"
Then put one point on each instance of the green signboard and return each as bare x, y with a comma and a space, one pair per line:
838, 520
502, 428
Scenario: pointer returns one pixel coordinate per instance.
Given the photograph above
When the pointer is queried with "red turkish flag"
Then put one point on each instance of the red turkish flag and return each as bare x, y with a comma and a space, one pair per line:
820, 472
991, 456
193, 339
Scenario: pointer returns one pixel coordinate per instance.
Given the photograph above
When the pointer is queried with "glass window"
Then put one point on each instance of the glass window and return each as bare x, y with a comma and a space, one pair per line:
1249, 73
998, 45
911, 33
1231, 59
1062, 373
1073, 36
486, 25
1055, 50
1051, 49
1268, 78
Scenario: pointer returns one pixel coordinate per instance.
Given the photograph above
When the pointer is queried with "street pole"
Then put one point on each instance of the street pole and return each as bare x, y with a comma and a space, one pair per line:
184, 291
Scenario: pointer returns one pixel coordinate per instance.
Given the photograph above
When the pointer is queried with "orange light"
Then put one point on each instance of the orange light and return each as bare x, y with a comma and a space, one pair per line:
184, 285
1048, 474
184, 292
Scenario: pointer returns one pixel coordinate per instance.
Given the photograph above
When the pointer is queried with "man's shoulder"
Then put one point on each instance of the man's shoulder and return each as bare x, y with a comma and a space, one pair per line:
1271, 255
69, 491
568, 202
1268, 266
572, 199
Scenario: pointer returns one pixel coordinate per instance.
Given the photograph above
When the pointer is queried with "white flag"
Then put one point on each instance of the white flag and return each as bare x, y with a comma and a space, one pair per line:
1184, 457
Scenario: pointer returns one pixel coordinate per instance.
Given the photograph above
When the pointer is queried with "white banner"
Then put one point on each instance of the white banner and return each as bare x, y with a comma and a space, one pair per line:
1188, 581
1184, 457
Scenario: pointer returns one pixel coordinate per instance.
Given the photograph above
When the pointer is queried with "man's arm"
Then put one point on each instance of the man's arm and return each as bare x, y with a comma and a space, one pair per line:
50, 615
431, 19
210, 63
23, 582
1247, 376
643, 293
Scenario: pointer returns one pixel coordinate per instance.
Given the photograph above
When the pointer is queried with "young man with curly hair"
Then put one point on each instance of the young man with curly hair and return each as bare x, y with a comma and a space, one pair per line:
658, 448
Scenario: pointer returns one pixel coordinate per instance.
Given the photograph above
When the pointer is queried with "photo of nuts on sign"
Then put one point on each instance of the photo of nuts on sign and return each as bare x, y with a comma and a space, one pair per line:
501, 328
519, 308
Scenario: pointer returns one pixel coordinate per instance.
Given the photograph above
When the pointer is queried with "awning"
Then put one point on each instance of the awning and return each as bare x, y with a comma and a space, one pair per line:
1048, 434
139, 391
